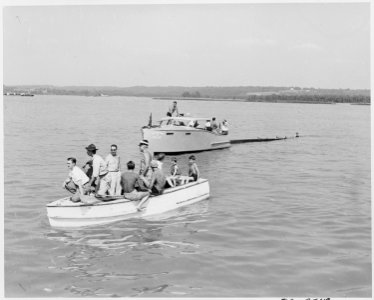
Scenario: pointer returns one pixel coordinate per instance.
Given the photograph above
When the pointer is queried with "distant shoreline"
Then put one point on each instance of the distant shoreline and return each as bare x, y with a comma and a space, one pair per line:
267, 94
245, 100
208, 99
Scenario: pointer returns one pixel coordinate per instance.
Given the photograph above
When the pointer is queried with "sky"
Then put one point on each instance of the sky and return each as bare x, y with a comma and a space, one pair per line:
320, 45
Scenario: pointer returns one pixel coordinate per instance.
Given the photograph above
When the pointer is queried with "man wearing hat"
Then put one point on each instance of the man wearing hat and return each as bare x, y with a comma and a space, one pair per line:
145, 162
100, 174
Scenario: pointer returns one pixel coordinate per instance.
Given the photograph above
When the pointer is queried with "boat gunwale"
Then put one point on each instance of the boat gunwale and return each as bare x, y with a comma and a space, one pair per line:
124, 200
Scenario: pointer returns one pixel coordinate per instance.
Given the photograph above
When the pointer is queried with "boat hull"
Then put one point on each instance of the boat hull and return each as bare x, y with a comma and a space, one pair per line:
183, 140
64, 213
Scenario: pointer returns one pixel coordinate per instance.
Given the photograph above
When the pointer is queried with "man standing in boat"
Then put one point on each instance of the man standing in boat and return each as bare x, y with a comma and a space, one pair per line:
208, 125
100, 174
145, 162
173, 110
113, 162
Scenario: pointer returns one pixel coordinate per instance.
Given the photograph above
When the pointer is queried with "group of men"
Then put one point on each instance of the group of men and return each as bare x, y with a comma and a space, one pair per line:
104, 177
210, 125
221, 128
101, 175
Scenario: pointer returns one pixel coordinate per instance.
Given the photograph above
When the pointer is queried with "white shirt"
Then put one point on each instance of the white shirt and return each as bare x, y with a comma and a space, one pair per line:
159, 164
113, 163
224, 126
99, 166
78, 176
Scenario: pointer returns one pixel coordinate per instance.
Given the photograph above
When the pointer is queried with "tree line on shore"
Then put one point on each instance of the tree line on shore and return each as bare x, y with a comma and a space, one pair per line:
312, 98
243, 93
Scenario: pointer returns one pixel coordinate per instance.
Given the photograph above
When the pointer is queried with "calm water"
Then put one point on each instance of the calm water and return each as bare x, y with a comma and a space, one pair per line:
285, 218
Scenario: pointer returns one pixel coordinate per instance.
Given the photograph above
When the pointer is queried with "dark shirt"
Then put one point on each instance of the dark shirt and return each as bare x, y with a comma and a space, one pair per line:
128, 181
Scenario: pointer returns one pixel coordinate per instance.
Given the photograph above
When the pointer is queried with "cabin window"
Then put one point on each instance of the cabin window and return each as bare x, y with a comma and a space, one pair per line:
169, 133
188, 133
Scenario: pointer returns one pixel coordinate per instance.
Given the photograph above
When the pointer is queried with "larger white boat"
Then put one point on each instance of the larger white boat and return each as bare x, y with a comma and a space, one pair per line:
65, 213
183, 135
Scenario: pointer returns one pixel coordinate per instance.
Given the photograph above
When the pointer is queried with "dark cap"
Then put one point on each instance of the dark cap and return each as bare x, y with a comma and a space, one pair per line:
160, 156
144, 142
91, 147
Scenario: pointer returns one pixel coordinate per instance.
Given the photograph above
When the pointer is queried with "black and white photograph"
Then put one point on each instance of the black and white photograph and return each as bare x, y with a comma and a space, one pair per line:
164, 149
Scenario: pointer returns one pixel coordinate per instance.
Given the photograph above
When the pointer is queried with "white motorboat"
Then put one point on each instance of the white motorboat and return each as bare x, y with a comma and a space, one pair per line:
65, 213
174, 135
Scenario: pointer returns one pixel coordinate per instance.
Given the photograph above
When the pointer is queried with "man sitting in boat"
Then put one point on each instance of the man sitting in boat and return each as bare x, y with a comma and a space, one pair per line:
173, 179
87, 168
193, 170
193, 123
157, 183
77, 182
129, 182
100, 174
214, 124
224, 129
160, 160
208, 125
